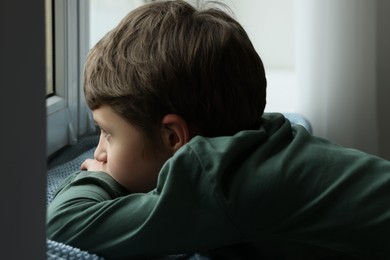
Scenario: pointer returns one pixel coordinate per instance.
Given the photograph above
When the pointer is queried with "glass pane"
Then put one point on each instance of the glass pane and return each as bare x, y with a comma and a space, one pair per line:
106, 14
49, 47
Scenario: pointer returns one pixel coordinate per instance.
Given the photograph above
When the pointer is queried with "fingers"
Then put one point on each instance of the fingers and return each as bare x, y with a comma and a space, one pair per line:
91, 165
84, 165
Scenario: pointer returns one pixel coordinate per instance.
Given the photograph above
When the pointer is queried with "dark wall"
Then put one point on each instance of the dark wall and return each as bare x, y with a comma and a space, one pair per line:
383, 66
22, 130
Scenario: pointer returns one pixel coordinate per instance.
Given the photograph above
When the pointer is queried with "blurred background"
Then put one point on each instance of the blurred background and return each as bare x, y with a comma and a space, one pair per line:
326, 60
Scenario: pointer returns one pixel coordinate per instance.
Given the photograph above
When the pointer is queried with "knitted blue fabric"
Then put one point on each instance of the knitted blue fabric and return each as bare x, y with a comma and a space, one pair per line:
69, 161
298, 119
56, 250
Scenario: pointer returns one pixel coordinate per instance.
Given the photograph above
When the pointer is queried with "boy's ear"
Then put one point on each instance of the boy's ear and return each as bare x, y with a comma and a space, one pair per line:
175, 131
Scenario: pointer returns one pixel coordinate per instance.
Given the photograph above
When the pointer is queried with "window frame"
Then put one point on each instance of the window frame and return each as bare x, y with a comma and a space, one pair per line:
66, 112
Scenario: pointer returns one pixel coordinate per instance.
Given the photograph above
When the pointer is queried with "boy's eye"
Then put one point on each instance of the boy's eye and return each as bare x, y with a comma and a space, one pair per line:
105, 133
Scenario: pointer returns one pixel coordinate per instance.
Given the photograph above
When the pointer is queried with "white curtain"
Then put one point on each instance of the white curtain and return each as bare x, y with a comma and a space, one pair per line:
337, 54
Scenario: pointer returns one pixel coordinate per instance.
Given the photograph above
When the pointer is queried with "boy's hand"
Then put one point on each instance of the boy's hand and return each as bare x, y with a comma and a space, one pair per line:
93, 165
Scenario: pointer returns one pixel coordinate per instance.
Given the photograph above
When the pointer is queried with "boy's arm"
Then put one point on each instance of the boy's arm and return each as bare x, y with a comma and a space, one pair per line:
93, 212
312, 193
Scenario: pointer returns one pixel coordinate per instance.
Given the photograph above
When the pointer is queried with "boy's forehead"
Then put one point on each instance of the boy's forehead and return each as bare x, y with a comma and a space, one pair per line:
106, 117
102, 114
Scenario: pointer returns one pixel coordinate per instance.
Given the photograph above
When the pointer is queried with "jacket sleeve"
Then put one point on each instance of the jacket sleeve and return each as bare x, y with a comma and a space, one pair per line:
93, 212
305, 190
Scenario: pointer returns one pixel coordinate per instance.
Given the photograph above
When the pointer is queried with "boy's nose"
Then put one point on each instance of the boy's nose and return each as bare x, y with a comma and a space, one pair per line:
100, 152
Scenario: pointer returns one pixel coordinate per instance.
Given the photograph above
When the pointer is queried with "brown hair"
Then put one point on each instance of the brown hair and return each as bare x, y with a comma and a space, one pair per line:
168, 57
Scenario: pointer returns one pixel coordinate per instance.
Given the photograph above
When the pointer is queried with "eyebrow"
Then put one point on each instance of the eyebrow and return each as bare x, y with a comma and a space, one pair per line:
98, 123
96, 120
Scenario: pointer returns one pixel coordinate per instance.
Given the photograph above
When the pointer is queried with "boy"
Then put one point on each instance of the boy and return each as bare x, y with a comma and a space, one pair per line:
188, 162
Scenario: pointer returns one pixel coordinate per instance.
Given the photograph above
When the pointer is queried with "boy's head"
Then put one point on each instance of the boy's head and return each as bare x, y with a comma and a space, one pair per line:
169, 58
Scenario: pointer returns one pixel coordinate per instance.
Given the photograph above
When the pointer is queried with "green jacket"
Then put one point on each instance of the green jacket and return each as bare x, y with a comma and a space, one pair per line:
276, 191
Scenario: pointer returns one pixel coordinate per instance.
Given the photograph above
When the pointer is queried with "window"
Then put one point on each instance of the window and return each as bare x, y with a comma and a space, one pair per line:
78, 25
68, 32
67, 116
270, 26
105, 15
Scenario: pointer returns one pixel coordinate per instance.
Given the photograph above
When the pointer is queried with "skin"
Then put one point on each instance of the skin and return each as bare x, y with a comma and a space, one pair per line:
123, 152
